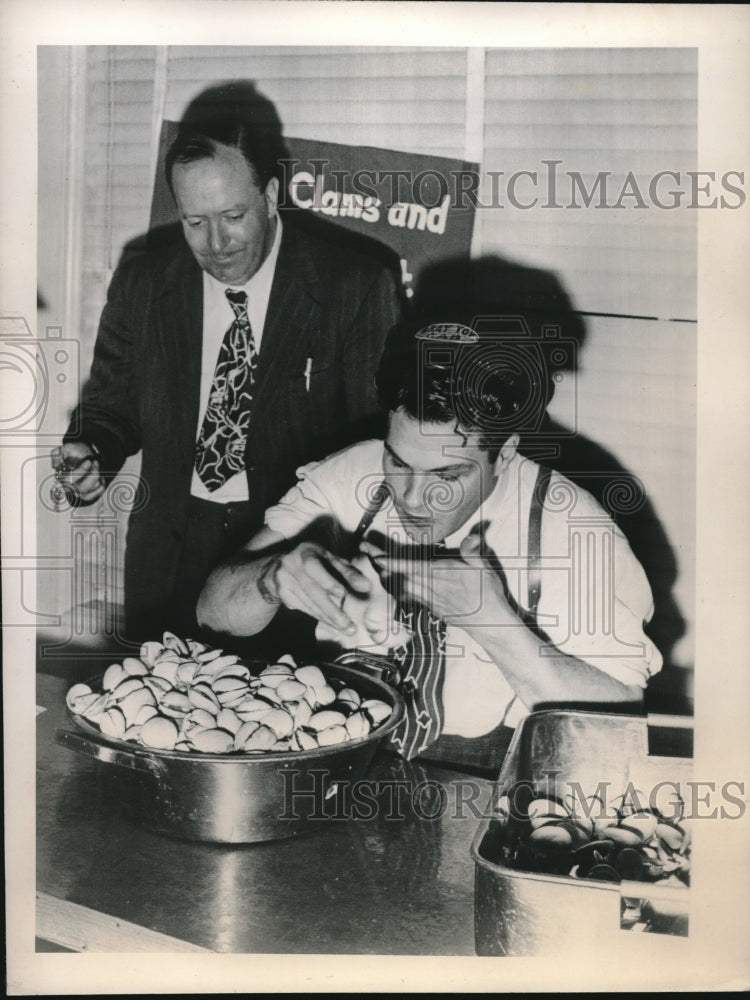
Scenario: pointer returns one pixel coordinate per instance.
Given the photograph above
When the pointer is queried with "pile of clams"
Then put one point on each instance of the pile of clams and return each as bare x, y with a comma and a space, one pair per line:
185, 696
586, 837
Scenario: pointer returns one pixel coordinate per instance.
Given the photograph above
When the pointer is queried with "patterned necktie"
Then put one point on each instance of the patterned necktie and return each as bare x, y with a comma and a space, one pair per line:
422, 666
220, 451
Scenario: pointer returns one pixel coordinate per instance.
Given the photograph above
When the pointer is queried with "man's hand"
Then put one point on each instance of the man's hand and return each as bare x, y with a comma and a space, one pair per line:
313, 580
463, 591
77, 468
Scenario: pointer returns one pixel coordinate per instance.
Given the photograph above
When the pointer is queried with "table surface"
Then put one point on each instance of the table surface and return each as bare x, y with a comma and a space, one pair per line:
401, 883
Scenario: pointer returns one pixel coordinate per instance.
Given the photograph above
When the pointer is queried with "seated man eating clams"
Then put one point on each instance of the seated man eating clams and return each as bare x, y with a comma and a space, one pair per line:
496, 586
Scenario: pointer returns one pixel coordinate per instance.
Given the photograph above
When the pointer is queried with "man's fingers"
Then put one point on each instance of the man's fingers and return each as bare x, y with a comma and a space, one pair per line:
309, 587
356, 580
91, 487
317, 604
471, 547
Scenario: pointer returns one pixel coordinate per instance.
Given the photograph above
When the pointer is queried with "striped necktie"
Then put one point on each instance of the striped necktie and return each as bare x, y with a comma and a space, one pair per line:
421, 663
220, 451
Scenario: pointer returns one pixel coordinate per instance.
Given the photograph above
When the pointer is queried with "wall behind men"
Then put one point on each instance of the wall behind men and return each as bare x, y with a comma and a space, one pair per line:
628, 264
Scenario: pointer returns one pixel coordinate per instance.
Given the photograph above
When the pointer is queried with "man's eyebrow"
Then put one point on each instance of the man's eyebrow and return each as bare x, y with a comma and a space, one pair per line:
452, 467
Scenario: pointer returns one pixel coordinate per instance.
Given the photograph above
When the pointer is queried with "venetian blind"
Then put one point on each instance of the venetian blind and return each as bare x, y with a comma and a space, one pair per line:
614, 111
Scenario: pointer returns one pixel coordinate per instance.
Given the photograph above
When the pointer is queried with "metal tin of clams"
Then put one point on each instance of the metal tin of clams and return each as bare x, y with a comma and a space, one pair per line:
238, 798
530, 913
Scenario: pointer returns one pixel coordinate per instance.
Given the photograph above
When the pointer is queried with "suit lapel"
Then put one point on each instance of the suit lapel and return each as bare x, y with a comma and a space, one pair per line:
180, 327
293, 316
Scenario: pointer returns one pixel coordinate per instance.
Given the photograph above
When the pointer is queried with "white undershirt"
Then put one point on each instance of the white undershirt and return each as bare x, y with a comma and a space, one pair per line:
217, 318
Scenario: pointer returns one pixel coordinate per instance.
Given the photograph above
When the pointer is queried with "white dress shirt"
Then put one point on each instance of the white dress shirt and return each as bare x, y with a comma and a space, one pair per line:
595, 594
218, 316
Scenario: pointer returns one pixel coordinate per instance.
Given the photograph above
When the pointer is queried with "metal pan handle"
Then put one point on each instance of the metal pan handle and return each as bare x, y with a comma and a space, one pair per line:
374, 664
106, 754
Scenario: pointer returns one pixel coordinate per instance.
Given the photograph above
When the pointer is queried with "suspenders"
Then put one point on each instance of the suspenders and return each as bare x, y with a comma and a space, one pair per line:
538, 496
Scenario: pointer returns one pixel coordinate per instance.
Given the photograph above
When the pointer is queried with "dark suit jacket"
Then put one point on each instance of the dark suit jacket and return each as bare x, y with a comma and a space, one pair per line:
327, 303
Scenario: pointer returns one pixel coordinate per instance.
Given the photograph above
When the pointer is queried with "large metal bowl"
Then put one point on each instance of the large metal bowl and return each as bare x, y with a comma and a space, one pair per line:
238, 798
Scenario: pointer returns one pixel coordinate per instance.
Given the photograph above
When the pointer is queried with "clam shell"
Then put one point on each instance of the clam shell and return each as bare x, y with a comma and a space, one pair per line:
333, 735
233, 670
549, 808
304, 740
167, 669
290, 690
378, 711
171, 641
84, 702
227, 683
199, 718
288, 660
311, 676
175, 704
150, 651
538, 821
325, 719
349, 698
212, 740
623, 838
301, 712
134, 667
145, 713
75, 693
262, 739
602, 824
243, 734
279, 721
186, 673
96, 709
357, 726
159, 733
251, 709
196, 648
324, 696
229, 720
203, 697
132, 704
126, 687
669, 836
158, 685
275, 675
269, 694
551, 839
217, 663
642, 823
112, 676
207, 655
112, 723
231, 699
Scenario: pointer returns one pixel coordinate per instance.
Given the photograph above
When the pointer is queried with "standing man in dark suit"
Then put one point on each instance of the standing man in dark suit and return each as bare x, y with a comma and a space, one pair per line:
229, 360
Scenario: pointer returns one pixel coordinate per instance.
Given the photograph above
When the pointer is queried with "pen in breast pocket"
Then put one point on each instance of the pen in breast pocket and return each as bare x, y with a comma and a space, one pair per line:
308, 373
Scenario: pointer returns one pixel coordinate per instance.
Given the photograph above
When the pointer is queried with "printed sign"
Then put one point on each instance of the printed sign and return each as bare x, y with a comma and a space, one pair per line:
418, 205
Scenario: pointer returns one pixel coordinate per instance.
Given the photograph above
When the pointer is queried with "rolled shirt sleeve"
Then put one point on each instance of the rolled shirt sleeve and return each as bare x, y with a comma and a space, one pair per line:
595, 595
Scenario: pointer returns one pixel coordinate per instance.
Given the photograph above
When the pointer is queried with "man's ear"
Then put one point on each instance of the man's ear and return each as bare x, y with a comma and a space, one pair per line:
507, 453
271, 195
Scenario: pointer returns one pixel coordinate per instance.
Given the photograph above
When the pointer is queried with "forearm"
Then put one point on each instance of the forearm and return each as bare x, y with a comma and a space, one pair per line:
108, 415
231, 600
541, 675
